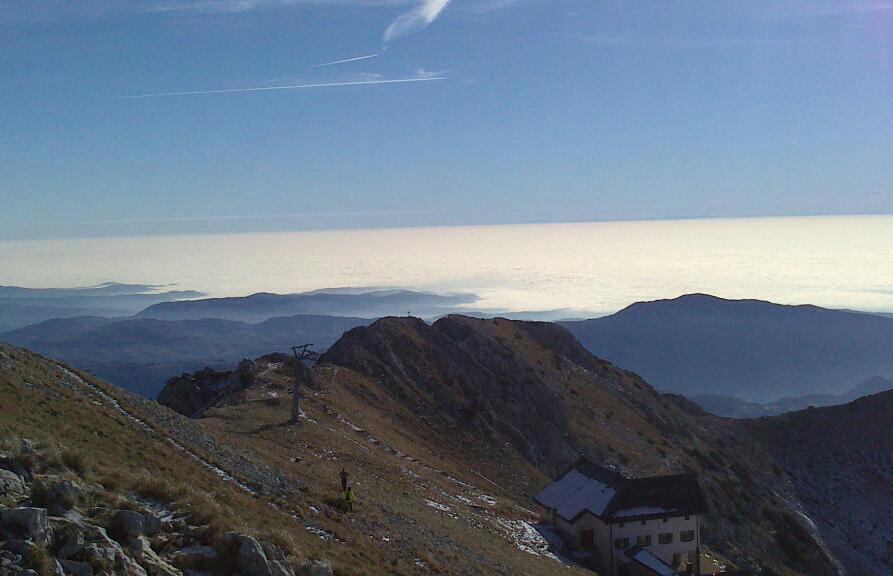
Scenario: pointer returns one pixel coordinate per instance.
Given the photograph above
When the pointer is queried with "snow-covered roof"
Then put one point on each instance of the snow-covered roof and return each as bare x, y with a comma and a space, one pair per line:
652, 562
574, 493
610, 496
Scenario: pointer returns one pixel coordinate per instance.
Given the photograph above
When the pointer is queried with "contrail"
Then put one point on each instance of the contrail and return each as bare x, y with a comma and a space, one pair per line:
416, 19
345, 61
267, 88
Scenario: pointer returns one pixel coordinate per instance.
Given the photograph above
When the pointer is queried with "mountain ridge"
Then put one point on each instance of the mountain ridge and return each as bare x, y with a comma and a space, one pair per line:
516, 402
753, 350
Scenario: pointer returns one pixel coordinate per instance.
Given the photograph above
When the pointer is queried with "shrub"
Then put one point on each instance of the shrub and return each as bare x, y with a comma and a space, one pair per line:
74, 461
337, 503
39, 559
156, 489
40, 494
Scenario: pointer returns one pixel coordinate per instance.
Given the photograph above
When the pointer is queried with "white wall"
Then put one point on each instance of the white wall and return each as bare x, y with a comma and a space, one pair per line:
604, 536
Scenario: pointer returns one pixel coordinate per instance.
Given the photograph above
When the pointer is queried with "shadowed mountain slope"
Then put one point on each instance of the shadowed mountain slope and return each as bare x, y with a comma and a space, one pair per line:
749, 349
841, 461
523, 400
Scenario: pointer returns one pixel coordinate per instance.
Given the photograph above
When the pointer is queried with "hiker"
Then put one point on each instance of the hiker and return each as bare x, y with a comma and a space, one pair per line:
343, 480
349, 498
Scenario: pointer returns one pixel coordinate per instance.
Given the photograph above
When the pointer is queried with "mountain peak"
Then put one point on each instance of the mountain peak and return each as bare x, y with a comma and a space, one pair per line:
751, 349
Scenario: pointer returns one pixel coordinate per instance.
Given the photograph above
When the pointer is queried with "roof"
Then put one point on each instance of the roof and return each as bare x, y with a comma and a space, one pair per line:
652, 563
588, 487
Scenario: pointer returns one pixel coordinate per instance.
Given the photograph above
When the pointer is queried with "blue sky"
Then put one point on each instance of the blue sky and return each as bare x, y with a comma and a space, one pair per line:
526, 111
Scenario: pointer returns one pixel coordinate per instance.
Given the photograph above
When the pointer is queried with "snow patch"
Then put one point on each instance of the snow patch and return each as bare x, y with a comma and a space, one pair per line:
526, 538
488, 500
438, 506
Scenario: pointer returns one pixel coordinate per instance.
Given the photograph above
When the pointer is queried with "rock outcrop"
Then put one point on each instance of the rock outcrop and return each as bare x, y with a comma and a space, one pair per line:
46, 529
192, 394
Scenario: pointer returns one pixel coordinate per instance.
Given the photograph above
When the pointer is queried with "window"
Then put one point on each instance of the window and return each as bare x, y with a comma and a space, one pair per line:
643, 540
644, 522
665, 538
687, 535
687, 517
586, 539
666, 520
621, 524
621, 543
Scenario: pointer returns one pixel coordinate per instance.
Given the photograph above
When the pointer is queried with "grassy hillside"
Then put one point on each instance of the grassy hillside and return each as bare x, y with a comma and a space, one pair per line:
271, 480
109, 438
494, 408
446, 430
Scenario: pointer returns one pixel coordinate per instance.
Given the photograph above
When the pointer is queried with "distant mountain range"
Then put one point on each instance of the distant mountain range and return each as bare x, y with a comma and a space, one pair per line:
24, 306
259, 307
131, 338
140, 354
740, 358
736, 408
746, 349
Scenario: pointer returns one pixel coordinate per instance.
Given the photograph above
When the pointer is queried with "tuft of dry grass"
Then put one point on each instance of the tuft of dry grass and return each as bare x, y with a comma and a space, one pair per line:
74, 461
39, 559
158, 489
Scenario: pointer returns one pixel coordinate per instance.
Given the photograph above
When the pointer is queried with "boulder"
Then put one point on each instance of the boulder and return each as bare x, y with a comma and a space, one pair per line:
194, 557
316, 568
126, 524
7, 561
142, 551
76, 568
22, 467
11, 484
9, 557
104, 549
151, 524
256, 559
100, 556
28, 523
69, 541
17, 547
63, 497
